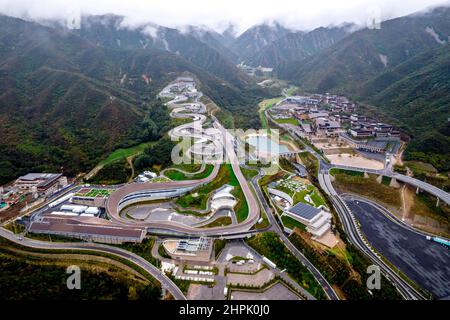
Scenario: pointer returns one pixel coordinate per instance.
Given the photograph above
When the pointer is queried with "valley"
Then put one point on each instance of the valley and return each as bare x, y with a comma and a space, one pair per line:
271, 160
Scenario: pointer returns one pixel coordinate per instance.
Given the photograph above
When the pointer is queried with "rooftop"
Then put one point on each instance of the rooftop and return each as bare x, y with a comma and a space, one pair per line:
43, 179
39, 176
304, 211
78, 227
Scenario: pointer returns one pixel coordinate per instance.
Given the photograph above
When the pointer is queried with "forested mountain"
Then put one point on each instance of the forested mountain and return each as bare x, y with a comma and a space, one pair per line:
401, 69
369, 52
214, 39
296, 46
111, 31
417, 93
66, 101
257, 37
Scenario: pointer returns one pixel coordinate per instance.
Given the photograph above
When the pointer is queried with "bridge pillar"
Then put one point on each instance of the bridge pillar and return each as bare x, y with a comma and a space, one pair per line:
417, 190
394, 183
380, 179
437, 202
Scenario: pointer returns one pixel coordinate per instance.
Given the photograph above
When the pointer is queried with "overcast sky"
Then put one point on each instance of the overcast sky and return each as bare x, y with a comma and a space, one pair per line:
297, 14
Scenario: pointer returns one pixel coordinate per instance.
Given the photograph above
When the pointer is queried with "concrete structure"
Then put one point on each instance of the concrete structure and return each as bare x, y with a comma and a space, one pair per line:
223, 199
360, 133
194, 249
317, 220
82, 229
43, 183
282, 195
118, 252
86, 197
377, 146
301, 170
73, 208
93, 210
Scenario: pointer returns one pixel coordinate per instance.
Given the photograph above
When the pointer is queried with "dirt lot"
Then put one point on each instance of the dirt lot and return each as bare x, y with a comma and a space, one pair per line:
370, 188
355, 161
417, 213
403, 202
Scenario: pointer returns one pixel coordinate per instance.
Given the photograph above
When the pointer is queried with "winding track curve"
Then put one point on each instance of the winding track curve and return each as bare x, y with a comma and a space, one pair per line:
222, 140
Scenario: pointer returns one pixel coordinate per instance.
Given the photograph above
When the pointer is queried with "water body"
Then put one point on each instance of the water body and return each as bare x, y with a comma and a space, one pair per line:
264, 144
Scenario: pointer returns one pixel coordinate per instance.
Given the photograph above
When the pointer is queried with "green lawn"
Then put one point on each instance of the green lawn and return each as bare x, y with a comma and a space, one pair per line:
188, 167
419, 166
233, 180
264, 223
317, 199
241, 208
291, 223
263, 106
198, 198
126, 152
220, 222
97, 193
299, 196
368, 187
386, 180
291, 90
249, 174
288, 120
336, 171
179, 176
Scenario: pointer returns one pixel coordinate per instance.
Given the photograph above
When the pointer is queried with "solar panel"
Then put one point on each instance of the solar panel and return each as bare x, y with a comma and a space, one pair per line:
305, 211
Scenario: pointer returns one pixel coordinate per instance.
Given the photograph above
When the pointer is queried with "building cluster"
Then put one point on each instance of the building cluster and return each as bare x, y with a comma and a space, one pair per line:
78, 215
38, 185
315, 102
365, 127
332, 116
184, 85
318, 114
316, 219
255, 71
77, 210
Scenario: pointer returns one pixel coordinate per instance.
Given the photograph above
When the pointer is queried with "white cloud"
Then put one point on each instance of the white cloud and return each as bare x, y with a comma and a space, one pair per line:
297, 14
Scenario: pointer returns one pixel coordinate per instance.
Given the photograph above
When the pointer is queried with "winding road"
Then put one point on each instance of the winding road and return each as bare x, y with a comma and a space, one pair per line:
100, 248
423, 261
210, 143
350, 223
331, 294
356, 237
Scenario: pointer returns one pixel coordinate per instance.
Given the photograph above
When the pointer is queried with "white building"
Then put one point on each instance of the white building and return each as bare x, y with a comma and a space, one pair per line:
223, 199
316, 220
150, 174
